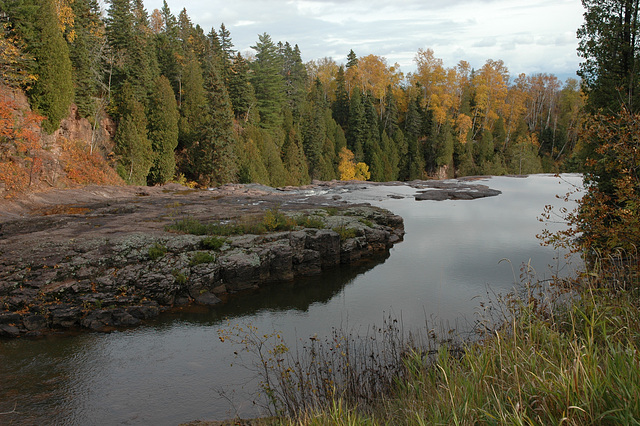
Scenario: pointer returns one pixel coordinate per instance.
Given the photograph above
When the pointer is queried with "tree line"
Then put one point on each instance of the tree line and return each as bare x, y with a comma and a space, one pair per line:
188, 104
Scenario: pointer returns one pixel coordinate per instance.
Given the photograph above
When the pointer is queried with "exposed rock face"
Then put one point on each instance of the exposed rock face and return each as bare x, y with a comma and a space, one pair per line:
455, 190
95, 269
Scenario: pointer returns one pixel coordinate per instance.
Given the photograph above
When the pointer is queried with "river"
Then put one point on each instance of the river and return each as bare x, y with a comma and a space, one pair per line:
176, 369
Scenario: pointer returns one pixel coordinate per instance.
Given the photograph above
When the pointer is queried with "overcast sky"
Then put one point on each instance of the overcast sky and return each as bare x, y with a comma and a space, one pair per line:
533, 36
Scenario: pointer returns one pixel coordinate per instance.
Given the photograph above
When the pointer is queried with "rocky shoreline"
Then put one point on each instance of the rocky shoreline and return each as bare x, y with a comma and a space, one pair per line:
104, 257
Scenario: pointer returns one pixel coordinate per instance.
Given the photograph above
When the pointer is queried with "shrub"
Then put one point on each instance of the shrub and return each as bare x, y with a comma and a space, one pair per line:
201, 257
212, 243
310, 222
345, 233
156, 251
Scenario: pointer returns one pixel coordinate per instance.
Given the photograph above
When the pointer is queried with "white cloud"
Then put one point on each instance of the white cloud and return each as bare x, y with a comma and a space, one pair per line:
527, 36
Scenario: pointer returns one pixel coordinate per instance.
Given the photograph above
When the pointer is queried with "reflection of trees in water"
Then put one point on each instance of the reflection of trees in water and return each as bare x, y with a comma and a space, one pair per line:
35, 377
298, 294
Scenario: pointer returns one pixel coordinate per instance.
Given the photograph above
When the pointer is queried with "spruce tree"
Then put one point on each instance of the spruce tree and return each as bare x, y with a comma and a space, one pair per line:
295, 78
357, 130
85, 55
315, 130
163, 131
241, 93
341, 104
352, 59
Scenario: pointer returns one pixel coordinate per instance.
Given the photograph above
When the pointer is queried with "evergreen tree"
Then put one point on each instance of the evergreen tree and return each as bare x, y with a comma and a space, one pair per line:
85, 55
413, 165
610, 45
215, 159
251, 166
315, 130
119, 30
163, 131
193, 103
268, 82
371, 149
295, 78
135, 154
294, 160
52, 92
241, 93
352, 59
357, 130
341, 104
169, 50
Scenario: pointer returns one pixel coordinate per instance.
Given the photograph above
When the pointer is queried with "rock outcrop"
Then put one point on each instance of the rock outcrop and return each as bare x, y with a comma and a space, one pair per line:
112, 264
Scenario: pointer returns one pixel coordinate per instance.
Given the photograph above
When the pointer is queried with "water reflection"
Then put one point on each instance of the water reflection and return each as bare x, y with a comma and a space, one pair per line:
174, 369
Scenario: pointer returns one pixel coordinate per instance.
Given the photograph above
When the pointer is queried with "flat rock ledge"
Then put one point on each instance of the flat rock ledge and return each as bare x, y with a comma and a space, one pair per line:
455, 190
93, 265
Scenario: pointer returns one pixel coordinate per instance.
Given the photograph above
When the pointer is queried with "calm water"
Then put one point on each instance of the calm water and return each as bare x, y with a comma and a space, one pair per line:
176, 369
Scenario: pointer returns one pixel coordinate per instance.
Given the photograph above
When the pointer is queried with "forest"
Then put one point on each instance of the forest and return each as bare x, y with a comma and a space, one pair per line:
188, 107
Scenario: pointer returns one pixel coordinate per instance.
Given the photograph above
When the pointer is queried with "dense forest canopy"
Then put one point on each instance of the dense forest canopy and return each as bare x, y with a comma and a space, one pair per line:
187, 104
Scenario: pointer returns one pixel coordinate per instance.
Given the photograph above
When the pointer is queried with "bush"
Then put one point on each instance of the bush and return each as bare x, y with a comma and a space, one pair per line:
310, 222
201, 257
212, 243
156, 251
345, 233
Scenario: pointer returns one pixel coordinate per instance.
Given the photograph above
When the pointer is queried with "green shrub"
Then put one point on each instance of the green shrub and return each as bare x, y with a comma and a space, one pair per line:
212, 243
201, 257
179, 276
310, 222
345, 233
195, 227
156, 251
366, 222
331, 211
275, 220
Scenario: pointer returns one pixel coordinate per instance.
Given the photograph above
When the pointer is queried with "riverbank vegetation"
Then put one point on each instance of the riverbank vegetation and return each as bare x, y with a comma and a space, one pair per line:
564, 352
184, 104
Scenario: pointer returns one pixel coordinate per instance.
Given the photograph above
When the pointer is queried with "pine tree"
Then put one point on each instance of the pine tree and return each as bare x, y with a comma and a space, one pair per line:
52, 92
163, 131
268, 82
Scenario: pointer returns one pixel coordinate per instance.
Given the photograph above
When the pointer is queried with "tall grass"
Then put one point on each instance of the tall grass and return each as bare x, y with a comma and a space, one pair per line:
568, 354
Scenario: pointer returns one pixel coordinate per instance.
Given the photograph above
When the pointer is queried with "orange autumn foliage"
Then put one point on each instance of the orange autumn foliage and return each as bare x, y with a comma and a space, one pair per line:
19, 146
84, 167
